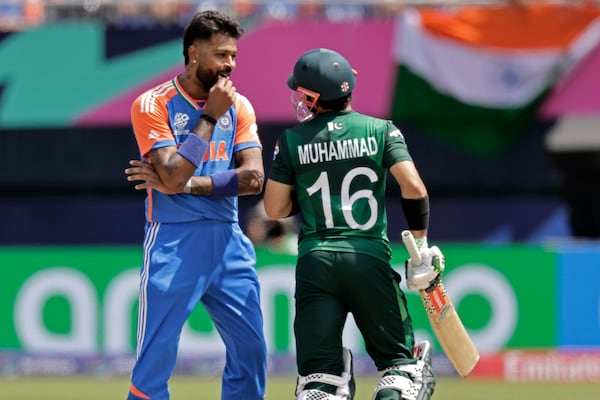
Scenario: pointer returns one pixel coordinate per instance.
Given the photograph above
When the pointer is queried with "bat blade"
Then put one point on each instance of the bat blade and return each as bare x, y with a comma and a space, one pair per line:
449, 329
445, 321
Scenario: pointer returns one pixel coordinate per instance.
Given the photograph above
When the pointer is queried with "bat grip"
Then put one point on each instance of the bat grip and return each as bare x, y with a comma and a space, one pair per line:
411, 246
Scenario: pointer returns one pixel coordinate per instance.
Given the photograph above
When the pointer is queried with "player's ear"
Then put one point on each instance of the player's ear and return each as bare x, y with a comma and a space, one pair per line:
192, 52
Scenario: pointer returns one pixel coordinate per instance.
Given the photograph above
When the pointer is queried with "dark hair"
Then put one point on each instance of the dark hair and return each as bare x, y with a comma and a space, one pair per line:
205, 24
336, 104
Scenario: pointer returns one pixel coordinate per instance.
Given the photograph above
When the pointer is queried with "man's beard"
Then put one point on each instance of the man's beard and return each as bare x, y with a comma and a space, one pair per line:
208, 79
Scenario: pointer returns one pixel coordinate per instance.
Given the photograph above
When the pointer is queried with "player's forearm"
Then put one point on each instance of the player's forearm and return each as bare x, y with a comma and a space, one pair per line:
277, 199
205, 126
249, 182
172, 169
195, 146
199, 186
412, 187
278, 211
419, 234
409, 180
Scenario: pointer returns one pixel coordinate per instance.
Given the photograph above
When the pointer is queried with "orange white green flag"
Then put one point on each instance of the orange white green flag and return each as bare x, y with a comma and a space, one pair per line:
474, 76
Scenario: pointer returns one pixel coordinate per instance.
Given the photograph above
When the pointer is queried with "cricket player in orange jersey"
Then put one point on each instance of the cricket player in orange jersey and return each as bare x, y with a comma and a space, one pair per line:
199, 150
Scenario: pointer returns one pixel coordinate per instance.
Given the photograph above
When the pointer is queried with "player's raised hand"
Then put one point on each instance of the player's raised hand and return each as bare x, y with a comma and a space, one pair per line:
424, 274
220, 97
425, 263
143, 171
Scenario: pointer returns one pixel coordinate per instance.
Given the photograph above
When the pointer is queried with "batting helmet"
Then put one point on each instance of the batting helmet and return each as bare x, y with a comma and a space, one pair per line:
323, 71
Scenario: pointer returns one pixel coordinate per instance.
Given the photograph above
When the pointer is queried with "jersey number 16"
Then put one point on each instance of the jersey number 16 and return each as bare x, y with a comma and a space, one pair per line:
347, 199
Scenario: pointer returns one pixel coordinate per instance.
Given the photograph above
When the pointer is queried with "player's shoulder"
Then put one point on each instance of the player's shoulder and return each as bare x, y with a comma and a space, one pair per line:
376, 123
242, 102
304, 129
158, 94
371, 119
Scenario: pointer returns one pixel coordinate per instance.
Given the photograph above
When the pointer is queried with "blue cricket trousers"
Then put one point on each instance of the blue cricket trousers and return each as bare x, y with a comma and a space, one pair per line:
213, 263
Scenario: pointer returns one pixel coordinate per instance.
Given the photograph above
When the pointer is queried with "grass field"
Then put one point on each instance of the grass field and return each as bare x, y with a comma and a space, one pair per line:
282, 388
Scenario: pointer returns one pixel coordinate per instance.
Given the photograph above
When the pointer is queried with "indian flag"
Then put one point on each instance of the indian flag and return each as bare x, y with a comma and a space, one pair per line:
475, 76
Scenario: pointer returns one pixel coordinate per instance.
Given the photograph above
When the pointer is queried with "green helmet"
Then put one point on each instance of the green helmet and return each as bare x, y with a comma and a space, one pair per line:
323, 71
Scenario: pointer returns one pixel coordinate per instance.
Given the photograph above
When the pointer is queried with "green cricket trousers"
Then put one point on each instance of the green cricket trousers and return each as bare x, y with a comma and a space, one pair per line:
329, 285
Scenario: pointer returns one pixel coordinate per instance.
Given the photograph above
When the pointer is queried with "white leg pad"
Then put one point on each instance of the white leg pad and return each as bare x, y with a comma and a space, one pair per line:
417, 387
404, 385
343, 389
314, 394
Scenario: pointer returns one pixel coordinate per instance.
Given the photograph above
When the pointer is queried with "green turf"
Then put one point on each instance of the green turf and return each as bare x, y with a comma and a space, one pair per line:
282, 388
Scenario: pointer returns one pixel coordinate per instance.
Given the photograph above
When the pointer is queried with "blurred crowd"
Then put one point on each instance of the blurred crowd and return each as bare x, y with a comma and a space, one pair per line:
24, 14
280, 236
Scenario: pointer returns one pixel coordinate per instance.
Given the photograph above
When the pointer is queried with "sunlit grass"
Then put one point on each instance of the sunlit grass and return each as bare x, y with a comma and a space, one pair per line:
281, 388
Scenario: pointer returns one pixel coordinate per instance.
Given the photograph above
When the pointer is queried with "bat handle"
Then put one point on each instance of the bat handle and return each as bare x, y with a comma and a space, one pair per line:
411, 246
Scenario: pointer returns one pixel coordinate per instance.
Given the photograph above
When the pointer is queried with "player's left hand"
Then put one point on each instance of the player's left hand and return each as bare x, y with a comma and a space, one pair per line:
143, 171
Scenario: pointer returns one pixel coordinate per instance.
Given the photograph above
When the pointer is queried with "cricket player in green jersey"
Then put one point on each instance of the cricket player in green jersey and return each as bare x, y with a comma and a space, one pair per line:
332, 168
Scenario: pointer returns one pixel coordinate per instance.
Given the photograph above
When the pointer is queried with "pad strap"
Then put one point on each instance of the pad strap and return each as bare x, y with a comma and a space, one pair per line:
329, 379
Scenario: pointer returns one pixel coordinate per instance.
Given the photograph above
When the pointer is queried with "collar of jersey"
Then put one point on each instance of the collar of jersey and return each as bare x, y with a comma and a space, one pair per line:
193, 103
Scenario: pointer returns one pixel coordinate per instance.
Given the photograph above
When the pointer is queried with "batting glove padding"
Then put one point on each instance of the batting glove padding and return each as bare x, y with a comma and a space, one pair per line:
432, 264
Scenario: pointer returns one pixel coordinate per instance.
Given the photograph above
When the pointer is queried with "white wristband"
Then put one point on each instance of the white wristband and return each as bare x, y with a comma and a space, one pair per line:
188, 186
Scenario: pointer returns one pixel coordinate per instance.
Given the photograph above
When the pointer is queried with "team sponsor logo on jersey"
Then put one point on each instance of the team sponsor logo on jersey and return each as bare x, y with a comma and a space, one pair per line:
180, 122
314, 153
216, 151
396, 133
334, 126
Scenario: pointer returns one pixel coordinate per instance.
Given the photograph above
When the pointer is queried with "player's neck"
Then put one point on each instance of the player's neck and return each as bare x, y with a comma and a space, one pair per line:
320, 110
192, 87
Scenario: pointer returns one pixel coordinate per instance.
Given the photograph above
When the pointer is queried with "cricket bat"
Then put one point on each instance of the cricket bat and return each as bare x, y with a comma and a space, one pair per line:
445, 321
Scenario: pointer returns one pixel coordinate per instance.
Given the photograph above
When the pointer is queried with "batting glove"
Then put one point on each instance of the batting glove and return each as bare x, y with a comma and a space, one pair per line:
421, 276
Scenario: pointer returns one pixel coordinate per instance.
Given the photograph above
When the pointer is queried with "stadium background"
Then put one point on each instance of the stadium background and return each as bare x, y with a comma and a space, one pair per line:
514, 190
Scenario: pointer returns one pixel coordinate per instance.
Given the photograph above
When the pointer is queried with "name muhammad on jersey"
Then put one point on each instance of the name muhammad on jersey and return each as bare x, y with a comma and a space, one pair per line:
314, 153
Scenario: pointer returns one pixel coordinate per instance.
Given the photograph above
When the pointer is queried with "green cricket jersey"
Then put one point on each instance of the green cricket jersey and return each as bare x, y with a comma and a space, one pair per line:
338, 163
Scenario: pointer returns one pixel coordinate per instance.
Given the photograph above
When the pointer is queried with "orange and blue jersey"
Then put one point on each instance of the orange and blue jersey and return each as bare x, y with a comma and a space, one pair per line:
196, 252
165, 116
